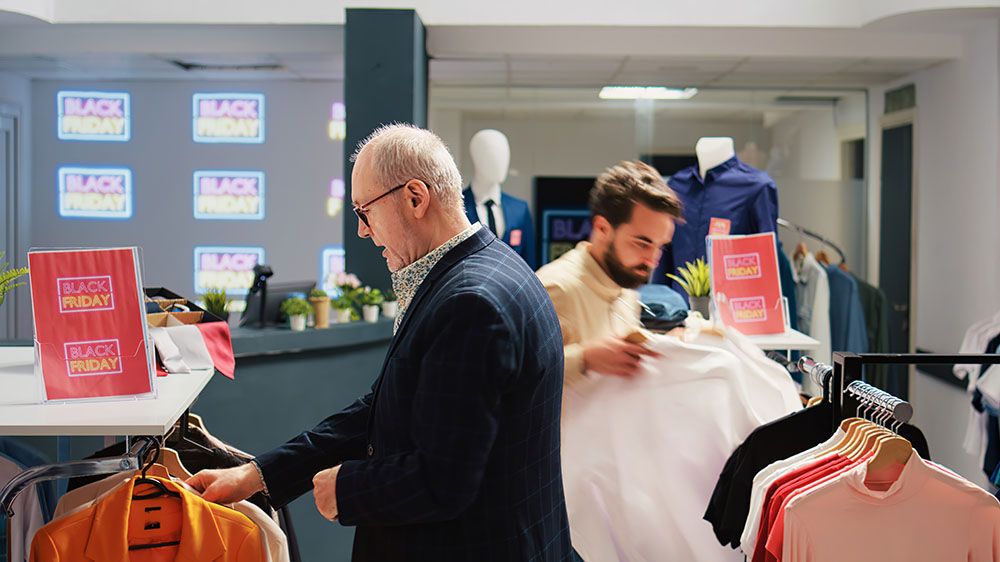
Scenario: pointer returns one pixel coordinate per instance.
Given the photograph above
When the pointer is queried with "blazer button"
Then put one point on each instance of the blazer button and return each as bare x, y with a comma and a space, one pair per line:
371, 450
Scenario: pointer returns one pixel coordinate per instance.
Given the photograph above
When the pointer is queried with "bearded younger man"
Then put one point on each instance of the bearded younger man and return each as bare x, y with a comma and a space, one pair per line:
633, 213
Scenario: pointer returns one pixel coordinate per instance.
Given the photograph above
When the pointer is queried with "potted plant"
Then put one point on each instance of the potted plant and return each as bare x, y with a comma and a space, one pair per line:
348, 286
7, 278
390, 307
343, 306
370, 301
321, 308
296, 310
217, 304
697, 284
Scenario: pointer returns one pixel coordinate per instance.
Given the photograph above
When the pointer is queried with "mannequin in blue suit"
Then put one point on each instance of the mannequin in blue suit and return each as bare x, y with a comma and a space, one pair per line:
490, 153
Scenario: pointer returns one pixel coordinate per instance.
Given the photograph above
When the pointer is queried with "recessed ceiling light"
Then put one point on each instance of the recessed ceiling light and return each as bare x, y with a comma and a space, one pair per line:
646, 93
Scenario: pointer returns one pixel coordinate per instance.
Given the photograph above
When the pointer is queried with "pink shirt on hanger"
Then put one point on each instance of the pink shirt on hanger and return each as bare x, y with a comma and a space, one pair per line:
924, 513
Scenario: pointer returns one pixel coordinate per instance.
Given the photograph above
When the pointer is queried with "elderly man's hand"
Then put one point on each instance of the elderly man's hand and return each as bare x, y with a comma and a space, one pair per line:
614, 356
325, 492
228, 485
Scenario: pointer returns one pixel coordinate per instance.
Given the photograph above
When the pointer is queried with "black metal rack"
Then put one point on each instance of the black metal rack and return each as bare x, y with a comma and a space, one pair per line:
847, 367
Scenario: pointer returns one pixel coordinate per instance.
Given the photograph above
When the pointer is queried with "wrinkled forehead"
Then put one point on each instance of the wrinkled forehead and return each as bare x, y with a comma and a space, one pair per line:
362, 185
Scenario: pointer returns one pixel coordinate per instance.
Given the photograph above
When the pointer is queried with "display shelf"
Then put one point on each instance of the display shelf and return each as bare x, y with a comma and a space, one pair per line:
793, 340
22, 414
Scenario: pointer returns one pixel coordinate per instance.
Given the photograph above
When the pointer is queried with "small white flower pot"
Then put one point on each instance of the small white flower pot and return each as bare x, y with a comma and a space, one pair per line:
370, 312
389, 309
298, 322
343, 315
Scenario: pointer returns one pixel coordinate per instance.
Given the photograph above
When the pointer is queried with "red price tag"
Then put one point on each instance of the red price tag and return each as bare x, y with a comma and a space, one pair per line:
719, 227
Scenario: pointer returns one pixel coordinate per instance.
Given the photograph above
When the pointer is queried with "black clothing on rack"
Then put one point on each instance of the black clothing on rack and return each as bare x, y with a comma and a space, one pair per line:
730, 503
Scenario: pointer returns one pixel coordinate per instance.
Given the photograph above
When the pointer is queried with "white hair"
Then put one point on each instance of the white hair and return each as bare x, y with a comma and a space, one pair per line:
400, 152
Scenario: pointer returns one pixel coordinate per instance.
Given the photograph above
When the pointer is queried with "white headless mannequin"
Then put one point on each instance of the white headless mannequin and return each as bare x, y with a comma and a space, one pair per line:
712, 151
490, 154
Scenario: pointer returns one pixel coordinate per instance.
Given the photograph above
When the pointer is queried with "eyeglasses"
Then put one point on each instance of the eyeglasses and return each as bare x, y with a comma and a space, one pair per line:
362, 210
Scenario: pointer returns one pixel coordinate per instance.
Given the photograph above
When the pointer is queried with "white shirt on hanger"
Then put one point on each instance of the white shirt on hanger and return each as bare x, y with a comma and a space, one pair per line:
27, 514
767, 475
812, 291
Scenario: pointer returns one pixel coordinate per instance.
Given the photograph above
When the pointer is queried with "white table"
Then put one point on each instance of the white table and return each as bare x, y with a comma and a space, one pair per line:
792, 340
21, 414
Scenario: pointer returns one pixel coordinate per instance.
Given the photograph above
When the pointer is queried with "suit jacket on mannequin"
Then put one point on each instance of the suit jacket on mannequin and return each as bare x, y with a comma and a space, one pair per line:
519, 231
454, 455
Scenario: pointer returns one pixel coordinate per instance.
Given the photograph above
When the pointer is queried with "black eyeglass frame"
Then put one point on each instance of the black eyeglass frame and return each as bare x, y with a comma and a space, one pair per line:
362, 210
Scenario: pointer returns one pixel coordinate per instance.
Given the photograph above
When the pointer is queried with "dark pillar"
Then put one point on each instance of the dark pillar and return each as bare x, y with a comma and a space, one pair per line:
385, 81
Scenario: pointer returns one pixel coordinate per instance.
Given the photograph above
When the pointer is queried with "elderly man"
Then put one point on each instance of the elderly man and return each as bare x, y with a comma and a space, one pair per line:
454, 455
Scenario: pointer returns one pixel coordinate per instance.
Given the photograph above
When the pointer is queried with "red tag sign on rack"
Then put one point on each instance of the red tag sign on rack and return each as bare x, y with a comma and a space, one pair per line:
746, 287
90, 324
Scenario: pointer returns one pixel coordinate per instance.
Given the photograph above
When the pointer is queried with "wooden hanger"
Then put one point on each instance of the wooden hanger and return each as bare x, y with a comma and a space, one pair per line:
890, 451
850, 427
170, 459
822, 258
800, 251
195, 420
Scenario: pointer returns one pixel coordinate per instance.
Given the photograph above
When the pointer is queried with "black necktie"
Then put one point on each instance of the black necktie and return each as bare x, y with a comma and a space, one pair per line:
491, 222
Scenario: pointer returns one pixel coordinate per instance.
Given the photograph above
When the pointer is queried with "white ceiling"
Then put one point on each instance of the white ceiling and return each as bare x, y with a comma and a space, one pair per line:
511, 70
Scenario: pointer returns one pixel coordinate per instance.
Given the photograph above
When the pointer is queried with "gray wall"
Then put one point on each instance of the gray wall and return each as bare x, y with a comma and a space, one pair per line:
298, 158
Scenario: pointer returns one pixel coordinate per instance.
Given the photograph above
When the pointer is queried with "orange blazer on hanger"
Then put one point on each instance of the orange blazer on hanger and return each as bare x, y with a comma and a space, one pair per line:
103, 532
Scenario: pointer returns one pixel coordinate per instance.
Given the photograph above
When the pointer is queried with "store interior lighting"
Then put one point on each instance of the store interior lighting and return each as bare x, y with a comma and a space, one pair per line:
646, 93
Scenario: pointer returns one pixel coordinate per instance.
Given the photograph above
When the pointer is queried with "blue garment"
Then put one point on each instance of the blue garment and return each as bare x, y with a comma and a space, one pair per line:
848, 331
788, 288
28, 456
665, 303
737, 192
454, 455
516, 217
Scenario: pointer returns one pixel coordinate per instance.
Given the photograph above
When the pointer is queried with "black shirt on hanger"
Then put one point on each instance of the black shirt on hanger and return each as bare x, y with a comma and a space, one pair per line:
730, 503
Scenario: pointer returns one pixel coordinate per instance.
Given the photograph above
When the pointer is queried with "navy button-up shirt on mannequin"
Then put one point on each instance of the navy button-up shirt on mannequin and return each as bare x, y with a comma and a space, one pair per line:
737, 192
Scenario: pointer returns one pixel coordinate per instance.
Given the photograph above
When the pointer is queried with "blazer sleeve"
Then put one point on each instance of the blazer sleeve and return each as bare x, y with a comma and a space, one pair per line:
468, 358
289, 469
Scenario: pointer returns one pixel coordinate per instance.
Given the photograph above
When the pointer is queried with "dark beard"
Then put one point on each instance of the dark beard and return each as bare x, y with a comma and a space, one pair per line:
624, 276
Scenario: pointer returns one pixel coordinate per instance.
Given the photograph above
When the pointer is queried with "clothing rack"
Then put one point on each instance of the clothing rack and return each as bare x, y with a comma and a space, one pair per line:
807, 232
847, 368
134, 460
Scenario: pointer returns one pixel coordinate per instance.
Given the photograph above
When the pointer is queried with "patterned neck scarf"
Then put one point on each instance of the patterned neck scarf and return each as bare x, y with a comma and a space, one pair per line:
406, 281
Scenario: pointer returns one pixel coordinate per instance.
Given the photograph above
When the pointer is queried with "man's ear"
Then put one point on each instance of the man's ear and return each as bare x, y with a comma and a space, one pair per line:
601, 229
418, 198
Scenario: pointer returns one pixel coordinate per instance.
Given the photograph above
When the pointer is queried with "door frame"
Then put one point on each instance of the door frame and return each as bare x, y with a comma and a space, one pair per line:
889, 121
15, 221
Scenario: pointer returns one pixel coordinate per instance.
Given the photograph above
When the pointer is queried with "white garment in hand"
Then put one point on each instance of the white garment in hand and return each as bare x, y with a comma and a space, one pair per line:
641, 456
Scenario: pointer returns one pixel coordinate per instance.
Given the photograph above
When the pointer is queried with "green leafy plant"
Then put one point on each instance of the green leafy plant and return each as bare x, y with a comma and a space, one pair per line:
7, 278
696, 278
390, 295
317, 294
296, 307
371, 296
216, 302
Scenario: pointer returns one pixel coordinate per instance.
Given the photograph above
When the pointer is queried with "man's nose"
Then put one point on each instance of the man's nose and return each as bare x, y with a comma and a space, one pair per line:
363, 230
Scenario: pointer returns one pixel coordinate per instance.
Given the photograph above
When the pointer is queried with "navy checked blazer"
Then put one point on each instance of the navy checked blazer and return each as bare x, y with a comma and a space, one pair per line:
454, 455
